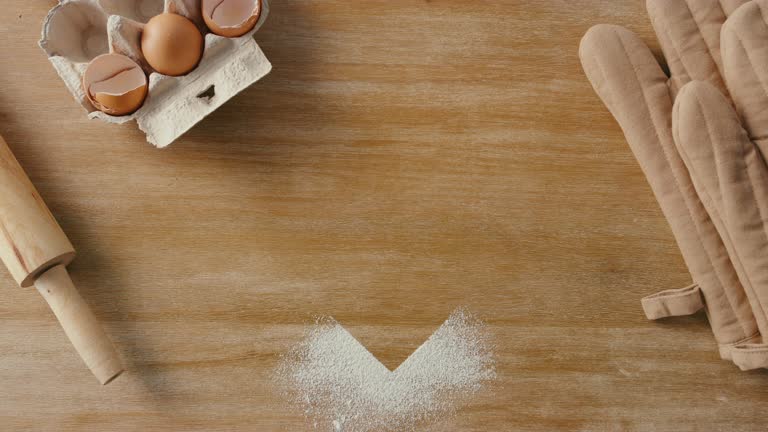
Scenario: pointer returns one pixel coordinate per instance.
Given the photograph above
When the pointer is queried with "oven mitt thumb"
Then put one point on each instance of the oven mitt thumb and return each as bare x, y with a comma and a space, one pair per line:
725, 160
627, 77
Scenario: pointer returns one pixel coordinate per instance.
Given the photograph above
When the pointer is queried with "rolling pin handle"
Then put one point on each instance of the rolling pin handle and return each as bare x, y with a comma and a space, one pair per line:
79, 323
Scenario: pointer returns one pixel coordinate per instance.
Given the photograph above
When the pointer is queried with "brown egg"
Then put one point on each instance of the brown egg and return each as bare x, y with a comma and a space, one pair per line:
172, 44
115, 84
231, 18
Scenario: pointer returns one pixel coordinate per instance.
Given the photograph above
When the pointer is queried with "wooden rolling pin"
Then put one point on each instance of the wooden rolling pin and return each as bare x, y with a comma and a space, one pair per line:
36, 252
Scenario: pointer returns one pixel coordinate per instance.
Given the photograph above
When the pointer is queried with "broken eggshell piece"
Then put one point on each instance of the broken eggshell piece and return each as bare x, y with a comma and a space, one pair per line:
231, 18
115, 84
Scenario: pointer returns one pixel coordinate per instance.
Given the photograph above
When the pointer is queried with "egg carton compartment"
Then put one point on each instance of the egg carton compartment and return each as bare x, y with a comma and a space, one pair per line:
77, 31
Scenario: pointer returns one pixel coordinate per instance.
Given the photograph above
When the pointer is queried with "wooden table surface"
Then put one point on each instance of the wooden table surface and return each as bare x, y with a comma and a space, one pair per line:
404, 158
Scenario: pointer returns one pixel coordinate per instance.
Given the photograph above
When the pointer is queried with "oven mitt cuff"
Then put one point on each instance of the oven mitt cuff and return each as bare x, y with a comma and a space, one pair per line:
674, 302
749, 356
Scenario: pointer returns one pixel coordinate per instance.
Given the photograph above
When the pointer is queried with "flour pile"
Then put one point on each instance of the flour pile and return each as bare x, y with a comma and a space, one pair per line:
343, 388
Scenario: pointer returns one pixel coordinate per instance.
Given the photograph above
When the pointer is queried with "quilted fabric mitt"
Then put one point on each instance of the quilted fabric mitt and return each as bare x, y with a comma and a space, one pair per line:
699, 136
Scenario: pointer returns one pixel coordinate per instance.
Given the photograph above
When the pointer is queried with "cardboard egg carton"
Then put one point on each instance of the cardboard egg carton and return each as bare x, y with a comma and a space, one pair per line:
77, 31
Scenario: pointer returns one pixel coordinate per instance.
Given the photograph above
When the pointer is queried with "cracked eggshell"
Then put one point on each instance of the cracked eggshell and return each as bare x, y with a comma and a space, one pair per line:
231, 18
172, 44
76, 31
115, 84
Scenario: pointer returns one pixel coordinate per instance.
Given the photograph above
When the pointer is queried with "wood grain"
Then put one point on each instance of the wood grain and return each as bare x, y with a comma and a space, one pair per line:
404, 158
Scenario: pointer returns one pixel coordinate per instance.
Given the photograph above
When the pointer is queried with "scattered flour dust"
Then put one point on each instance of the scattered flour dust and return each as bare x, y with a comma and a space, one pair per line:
343, 388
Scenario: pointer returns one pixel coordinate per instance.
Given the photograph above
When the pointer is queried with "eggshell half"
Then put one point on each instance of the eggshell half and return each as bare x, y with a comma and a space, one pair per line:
115, 84
231, 18
172, 44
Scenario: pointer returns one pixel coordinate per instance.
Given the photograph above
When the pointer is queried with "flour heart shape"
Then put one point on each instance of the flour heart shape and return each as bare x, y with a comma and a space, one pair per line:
341, 386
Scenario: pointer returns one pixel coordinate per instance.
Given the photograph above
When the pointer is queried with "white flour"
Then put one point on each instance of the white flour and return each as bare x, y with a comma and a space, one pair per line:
343, 388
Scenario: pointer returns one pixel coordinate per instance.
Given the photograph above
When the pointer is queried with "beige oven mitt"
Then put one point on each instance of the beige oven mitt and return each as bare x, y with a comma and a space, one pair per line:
699, 137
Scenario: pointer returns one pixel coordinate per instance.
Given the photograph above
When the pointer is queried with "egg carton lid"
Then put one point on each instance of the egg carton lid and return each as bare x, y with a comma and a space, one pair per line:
174, 104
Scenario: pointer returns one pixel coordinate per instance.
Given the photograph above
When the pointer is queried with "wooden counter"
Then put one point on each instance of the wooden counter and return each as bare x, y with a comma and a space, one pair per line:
404, 158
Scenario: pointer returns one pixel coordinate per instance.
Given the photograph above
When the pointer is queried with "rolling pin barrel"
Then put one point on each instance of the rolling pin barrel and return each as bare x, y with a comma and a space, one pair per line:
35, 250
31, 240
